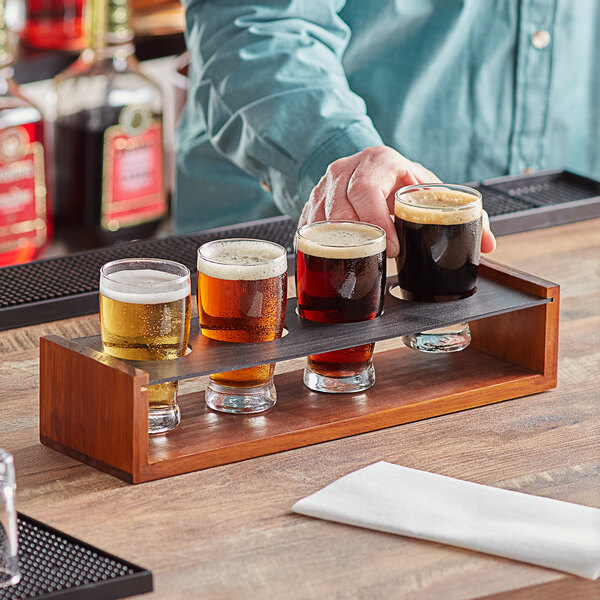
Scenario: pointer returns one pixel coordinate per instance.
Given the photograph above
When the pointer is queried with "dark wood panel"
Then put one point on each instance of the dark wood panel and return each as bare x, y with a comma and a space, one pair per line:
304, 337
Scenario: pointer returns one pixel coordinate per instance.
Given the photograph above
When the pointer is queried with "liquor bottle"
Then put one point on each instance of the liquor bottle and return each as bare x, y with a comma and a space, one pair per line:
108, 153
54, 24
25, 218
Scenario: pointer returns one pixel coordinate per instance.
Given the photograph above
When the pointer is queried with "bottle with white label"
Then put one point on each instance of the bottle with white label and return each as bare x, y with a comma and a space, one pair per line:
108, 144
25, 219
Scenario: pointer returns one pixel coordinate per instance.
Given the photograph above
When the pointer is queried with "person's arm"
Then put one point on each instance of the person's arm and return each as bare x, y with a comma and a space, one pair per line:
269, 83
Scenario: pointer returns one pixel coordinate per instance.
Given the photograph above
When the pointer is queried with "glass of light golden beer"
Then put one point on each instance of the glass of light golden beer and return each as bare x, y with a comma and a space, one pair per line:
145, 307
242, 293
340, 278
439, 231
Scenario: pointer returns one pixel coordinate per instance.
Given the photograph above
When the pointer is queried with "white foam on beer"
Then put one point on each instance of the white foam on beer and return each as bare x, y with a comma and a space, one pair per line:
242, 259
438, 206
340, 240
144, 286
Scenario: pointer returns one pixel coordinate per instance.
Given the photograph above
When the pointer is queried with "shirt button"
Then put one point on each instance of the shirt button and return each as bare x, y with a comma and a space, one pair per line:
540, 39
265, 186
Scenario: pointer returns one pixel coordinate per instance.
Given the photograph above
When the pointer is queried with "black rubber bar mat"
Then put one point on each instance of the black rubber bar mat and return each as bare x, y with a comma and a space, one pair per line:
57, 566
59, 288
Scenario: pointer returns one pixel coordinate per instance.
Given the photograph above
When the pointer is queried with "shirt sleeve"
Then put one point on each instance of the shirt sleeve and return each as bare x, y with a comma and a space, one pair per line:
269, 85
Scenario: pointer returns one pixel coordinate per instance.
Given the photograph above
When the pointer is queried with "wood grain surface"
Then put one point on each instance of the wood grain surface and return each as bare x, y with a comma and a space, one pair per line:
227, 532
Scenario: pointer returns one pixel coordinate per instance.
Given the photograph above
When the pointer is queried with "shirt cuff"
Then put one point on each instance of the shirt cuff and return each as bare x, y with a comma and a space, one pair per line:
343, 142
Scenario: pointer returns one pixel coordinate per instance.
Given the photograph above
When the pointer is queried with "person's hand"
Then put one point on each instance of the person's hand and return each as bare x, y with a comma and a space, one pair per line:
361, 187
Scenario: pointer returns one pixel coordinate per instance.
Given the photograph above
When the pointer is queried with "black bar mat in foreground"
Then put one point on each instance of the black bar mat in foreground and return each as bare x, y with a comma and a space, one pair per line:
57, 566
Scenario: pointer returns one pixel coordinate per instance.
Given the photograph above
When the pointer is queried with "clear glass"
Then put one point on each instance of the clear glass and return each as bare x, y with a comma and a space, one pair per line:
9, 559
439, 231
242, 293
145, 307
340, 278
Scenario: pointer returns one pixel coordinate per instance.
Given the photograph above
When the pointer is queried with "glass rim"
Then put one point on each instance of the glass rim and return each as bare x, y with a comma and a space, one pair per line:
477, 196
241, 239
344, 221
148, 261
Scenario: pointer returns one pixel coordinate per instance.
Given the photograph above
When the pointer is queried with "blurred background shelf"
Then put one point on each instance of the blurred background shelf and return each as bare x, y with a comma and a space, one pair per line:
36, 65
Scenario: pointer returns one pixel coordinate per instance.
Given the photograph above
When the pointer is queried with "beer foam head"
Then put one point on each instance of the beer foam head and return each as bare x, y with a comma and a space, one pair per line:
437, 205
340, 239
144, 286
246, 259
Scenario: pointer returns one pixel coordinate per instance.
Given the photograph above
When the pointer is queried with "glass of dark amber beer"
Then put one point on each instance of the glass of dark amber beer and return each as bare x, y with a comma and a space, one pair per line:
439, 231
242, 293
145, 307
340, 278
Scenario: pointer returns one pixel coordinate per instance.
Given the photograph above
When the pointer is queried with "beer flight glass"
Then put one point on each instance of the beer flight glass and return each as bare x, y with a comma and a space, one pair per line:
145, 307
340, 278
439, 231
9, 558
242, 293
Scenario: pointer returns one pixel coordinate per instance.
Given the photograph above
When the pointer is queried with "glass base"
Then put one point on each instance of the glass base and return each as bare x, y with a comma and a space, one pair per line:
339, 385
445, 339
9, 575
240, 400
164, 419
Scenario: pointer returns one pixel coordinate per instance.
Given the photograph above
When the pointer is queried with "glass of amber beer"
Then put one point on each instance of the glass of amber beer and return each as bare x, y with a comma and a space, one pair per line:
439, 230
242, 293
340, 278
145, 306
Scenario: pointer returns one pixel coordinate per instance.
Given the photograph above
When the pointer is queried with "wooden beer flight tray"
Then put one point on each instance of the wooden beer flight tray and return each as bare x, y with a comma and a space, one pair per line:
94, 407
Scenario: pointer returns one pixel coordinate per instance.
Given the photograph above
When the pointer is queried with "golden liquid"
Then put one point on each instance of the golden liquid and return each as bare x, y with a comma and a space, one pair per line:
147, 332
242, 311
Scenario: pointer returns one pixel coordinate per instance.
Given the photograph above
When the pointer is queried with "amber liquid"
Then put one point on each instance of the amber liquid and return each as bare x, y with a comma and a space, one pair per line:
242, 311
340, 290
147, 332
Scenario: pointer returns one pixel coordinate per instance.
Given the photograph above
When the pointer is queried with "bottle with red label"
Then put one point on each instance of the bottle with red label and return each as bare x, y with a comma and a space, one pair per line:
25, 219
109, 179
54, 24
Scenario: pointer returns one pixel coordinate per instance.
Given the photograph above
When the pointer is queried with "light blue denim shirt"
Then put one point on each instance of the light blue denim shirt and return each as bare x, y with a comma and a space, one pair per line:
471, 89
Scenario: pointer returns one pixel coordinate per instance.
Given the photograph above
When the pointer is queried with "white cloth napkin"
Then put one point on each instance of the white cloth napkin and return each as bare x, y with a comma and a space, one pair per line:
542, 531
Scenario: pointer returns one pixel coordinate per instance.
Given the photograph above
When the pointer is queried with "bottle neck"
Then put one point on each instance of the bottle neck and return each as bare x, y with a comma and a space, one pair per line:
107, 26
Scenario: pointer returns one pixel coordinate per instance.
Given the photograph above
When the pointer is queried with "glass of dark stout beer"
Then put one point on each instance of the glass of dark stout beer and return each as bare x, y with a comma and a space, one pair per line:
340, 278
242, 294
439, 230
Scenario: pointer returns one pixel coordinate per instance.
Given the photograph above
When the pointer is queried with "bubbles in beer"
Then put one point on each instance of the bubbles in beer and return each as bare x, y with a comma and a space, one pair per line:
242, 259
439, 206
340, 240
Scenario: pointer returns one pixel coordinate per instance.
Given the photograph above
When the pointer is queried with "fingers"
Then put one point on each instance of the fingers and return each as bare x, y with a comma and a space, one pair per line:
369, 188
488, 241
328, 199
423, 174
362, 186
380, 172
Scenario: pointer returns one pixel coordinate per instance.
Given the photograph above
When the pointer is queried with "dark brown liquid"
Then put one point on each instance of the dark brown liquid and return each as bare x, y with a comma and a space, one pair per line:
438, 262
79, 156
340, 290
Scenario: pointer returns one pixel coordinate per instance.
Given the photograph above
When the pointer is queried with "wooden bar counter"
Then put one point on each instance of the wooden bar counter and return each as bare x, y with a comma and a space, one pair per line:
227, 532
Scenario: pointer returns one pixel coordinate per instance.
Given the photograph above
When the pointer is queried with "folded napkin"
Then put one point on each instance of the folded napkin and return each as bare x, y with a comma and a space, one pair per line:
387, 497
